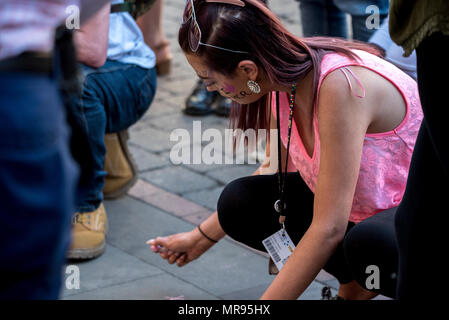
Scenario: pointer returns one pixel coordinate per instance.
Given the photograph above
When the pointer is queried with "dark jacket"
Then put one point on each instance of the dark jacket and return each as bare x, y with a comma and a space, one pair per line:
411, 21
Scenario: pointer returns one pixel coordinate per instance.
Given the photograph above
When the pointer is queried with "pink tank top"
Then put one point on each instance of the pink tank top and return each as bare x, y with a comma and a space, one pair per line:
386, 156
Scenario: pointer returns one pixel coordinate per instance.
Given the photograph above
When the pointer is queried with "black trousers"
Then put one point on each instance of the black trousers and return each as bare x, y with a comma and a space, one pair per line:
246, 213
421, 220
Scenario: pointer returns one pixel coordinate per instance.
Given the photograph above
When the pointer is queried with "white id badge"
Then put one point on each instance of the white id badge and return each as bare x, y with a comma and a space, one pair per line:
279, 247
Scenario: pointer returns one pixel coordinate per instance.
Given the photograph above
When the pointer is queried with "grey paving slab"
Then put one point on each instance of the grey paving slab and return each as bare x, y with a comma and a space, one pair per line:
181, 121
160, 107
160, 287
227, 174
333, 283
181, 81
206, 198
151, 139
381, 297
178, 180
173, 12
198, 217
112, 268
133, 222
313, 292
203, 167
253, 293
181, 61
178, 100
327, 279
146, 160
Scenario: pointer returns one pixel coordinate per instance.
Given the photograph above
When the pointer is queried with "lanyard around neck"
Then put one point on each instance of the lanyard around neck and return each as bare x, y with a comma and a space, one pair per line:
280, 205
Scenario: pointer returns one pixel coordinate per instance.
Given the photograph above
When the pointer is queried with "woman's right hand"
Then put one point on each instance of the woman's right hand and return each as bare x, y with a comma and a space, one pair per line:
181, 247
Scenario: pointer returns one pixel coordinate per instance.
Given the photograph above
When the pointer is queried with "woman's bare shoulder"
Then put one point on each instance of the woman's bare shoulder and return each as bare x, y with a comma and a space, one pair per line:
366, 92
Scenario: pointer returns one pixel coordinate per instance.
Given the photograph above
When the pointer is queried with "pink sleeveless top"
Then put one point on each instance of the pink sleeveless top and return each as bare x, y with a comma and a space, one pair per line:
385, 157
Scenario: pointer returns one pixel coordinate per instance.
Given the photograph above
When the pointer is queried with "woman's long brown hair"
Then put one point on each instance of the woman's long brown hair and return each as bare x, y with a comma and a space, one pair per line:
284, 57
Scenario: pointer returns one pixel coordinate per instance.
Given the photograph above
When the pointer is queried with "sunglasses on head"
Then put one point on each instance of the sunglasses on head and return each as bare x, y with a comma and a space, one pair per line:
195, 31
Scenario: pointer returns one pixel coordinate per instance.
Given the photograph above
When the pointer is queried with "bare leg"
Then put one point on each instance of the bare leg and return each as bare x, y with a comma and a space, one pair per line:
353, 291
151, 25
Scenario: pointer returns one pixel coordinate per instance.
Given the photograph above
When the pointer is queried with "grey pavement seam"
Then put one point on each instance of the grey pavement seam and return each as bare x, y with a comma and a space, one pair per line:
162, 271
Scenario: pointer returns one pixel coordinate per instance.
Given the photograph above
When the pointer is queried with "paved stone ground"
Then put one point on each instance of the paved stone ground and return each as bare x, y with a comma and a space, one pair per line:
172, 198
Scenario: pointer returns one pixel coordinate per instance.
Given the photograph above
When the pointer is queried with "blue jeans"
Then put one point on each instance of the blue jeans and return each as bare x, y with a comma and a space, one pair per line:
38, 178
357, 10
322, 18
328, 17
113, 98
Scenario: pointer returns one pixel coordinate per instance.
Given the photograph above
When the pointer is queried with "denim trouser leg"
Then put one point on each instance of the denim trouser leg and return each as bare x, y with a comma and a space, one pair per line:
37, 187
322, 18
359, 15
359, 29
114, 97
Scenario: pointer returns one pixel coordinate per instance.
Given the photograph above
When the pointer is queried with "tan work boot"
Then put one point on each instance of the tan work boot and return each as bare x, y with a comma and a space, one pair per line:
88, 234
118, 163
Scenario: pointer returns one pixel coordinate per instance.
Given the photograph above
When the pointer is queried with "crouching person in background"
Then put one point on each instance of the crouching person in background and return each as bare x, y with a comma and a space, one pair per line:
119, 84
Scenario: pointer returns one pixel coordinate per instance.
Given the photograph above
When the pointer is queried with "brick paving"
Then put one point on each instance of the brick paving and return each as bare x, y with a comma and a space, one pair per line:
172, 198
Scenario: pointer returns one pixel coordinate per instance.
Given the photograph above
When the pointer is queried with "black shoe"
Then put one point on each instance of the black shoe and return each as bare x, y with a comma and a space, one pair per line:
200, 102
223, 107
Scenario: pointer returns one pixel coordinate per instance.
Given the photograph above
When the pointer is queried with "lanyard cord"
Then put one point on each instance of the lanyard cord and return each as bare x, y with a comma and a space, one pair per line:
280, 178
280, 206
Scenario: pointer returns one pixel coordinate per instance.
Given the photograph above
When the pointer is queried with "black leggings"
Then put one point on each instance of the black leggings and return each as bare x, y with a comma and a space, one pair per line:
422, 217
246, 213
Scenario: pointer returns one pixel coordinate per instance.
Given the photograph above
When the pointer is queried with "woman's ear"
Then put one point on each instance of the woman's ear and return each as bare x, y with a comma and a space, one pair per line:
248, 69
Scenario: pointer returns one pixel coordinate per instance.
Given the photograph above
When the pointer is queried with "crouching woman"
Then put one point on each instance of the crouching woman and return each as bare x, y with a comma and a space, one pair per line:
348, 123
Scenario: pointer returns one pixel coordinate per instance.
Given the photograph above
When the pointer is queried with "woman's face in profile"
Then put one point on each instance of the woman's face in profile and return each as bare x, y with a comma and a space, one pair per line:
234, 87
